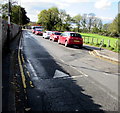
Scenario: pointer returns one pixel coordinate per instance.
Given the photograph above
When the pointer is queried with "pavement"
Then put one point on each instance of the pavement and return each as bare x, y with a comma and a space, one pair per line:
103, 53
9, 67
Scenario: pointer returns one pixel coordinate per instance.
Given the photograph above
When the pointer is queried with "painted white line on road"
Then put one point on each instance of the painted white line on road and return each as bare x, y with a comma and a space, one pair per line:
107, 74
75, 68
59, 74
79, 71
31, 67
77, 76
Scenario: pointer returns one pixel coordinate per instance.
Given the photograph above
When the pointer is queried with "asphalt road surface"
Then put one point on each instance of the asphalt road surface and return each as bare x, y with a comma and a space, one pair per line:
59, 78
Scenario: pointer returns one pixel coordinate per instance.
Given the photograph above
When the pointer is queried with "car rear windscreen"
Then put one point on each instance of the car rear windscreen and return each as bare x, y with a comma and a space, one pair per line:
75, 35
39, 30
57, 33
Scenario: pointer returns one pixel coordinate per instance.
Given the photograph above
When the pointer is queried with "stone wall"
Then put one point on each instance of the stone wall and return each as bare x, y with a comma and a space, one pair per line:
14, 29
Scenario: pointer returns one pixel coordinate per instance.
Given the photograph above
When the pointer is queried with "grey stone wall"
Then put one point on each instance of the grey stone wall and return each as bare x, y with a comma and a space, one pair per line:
14, 29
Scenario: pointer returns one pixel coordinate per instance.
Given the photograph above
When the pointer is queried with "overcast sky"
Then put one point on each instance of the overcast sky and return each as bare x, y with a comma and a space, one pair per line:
105, 9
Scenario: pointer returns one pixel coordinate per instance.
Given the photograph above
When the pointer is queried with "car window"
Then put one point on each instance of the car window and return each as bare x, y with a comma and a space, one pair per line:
38, 30
75, 35
64, 34
57, 33
49, 33
61, 34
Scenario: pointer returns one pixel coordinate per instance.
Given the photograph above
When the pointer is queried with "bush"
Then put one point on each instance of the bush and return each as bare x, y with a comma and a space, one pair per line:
104, 45
114, 34
97, 44
111, 48
87, 42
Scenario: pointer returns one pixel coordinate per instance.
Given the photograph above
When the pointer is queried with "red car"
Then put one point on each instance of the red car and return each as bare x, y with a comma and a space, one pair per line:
55, 36
71, 38
39, 32
33, 30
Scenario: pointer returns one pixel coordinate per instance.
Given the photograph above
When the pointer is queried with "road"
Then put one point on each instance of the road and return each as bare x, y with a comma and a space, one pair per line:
59, 78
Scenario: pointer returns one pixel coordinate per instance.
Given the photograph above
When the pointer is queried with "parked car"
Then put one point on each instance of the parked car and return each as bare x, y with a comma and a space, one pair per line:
71, 38
33, 30
39, 32
55, 36
47, 34
36, 27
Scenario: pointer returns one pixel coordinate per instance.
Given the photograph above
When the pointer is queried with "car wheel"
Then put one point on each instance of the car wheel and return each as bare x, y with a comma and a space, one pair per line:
58, 41
80, 46
66, 44
53, 40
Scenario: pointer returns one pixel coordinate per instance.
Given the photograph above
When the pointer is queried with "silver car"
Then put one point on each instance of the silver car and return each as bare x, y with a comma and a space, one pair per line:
47, 34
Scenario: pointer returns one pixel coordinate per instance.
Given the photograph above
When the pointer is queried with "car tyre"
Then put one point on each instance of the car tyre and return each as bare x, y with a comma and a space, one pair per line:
80, 46
53, 40
58, 41
66, 44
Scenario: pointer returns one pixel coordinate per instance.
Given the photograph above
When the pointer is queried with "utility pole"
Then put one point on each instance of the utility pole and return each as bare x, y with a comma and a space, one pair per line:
9, 11
8, 30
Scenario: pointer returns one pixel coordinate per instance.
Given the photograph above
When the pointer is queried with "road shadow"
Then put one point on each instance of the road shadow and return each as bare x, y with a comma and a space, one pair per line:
91, 48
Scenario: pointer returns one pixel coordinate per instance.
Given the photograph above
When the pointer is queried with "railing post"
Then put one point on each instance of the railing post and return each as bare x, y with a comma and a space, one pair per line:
97, 40
84, 39
116, 43
108, 43
102, 41
92, 40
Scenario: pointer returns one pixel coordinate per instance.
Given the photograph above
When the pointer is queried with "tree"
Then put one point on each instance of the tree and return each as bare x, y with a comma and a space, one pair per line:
115, 25
67, 22
84, 22
91, 18
77, 19
62, 16
97, 25
43, 18
53, 19
49, 18
105, 27
4, 11
18, 14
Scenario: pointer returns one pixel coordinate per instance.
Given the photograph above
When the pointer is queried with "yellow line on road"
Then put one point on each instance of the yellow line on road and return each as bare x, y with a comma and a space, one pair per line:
22, 58
100, 57
31, 84
21, 70
28, 73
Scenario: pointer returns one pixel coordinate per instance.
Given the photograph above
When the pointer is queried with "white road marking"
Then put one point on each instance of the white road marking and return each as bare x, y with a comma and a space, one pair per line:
75, 68
31, 67
77, 76
79, 71
59, 74
106, 74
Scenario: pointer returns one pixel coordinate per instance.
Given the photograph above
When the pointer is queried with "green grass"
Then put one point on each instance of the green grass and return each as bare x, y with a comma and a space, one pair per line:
100, 38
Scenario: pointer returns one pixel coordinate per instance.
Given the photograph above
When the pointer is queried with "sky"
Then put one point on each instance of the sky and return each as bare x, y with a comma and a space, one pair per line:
104, 9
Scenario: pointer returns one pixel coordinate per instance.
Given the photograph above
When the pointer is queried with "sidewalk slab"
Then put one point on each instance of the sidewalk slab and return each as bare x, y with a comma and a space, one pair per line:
107, 54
